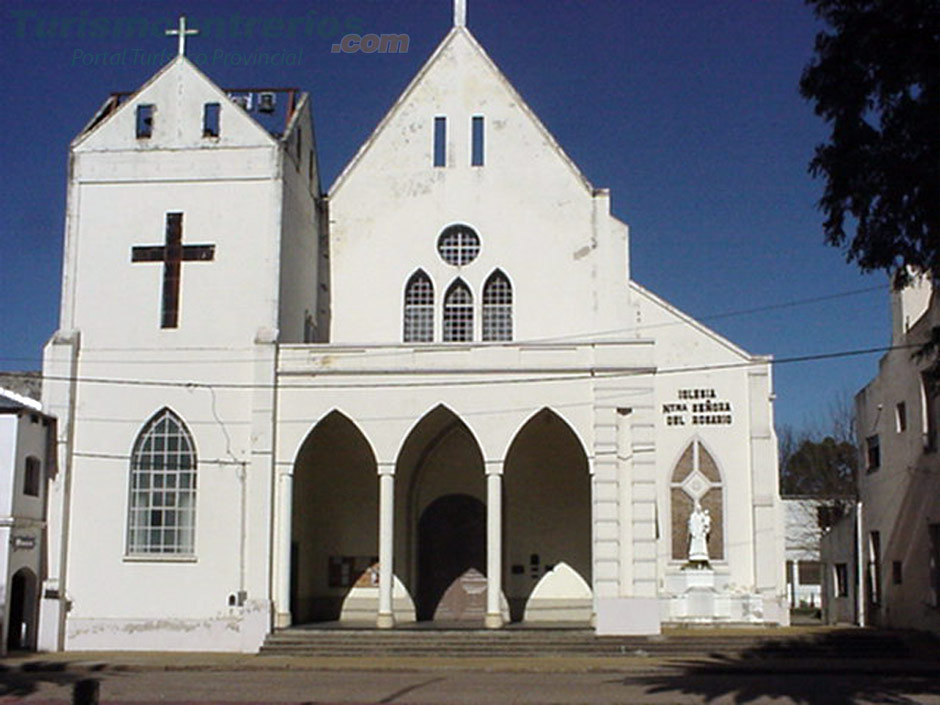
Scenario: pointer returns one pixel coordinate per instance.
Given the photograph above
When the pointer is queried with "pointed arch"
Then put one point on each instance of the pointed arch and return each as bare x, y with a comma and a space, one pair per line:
334, 523
440, 459
547, 511
696, 479
497, 307
162, 487
458, 313
418, 312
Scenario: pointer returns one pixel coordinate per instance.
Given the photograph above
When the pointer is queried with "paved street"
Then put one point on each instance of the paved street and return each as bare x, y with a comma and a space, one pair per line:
493, 681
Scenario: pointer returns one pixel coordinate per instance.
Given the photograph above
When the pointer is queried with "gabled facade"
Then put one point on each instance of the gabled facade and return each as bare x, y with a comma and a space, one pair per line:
446, 402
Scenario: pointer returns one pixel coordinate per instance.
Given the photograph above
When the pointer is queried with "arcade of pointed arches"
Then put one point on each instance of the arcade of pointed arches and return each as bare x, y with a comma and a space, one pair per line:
471, 540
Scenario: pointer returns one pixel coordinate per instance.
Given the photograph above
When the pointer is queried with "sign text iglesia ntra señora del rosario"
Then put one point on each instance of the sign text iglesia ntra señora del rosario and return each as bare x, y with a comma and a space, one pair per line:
698, 407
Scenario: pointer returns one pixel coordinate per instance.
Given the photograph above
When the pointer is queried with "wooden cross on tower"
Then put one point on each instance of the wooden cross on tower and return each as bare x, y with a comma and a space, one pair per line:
173, 253
182, 32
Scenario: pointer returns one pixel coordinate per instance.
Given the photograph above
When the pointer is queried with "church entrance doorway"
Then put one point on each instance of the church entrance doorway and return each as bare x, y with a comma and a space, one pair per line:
22, 615
452, 560
440, 520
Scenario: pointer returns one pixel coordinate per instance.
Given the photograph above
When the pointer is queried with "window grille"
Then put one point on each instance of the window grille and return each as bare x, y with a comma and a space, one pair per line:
419, 309
458, 245
162, 508
458, 313
497, 308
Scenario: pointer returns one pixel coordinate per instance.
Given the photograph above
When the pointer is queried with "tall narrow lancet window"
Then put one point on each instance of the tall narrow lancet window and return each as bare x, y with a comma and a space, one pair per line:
440, 141
458, 313
497, 308
476, 146
162, 507
419, 309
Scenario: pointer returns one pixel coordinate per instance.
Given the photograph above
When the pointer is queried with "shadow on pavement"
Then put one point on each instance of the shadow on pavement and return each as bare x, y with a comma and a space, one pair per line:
25, 680
836, 668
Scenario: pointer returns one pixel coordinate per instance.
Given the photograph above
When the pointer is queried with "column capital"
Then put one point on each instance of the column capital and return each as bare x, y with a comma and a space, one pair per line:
385, 468
494, 467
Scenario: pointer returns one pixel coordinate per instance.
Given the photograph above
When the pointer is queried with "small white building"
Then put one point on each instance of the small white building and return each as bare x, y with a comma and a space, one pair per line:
899, 479
432, 392
803, 531
27, 454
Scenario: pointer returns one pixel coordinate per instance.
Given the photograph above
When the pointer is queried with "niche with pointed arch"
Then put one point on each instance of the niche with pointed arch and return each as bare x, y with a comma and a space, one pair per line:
547, 488
696, 477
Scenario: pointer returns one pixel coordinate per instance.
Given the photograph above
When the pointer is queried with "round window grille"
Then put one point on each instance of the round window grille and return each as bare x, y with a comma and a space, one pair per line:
458, 245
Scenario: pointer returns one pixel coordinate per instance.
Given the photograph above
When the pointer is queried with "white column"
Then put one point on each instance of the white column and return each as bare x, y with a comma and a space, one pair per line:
284, 502
494, 545
386, 616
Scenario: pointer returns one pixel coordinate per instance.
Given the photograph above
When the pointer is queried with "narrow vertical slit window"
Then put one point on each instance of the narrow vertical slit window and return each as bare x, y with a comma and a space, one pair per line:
497, 308
210, 119
419, 309
440, 141
144, 121
31, 477
476, 158
458, 313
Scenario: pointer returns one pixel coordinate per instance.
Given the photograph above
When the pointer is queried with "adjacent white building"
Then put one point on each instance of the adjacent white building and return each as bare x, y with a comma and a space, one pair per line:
432, 392
27, 455
898, 548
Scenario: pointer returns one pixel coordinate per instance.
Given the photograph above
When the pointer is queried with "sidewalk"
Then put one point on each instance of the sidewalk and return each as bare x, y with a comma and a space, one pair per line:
143, 661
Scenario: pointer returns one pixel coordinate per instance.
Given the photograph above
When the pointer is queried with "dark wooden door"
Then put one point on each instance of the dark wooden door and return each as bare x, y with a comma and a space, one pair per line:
452, 560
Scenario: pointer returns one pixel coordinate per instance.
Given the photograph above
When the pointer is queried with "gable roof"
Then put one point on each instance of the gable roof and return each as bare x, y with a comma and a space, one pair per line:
693, 323
113, 106
459, 32
11, 401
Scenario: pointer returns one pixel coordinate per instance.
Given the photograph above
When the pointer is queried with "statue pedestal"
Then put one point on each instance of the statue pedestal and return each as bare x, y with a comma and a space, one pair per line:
696, 599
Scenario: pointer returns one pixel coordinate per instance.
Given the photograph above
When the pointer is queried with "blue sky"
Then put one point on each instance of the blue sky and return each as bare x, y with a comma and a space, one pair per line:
687, 110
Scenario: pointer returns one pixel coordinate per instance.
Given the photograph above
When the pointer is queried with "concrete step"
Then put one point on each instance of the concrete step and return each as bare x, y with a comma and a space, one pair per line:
545, 642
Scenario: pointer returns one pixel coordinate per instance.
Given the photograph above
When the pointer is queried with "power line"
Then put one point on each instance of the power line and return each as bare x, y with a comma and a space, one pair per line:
583, 375
582, 338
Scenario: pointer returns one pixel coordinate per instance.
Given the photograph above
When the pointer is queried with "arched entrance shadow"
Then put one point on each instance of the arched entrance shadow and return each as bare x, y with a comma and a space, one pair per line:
21, 629
451, 559
439, 459
547, 487
334, 523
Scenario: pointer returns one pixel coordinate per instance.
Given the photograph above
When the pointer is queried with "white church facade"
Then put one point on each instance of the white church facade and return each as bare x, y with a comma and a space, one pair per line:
431, 393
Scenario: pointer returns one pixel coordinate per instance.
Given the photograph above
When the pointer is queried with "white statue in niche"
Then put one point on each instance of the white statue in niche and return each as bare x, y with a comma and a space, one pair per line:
700, 525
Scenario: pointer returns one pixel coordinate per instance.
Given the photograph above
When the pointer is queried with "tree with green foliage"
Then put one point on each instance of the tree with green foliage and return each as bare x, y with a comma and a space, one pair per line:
824, 468
874, 79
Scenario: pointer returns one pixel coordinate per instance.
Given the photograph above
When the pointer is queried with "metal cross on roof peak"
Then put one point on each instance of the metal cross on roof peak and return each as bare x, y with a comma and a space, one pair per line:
182, 32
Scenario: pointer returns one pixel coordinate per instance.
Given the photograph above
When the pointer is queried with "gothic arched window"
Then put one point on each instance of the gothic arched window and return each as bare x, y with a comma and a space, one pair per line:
458, 313
497, 307
162, 508
418, 324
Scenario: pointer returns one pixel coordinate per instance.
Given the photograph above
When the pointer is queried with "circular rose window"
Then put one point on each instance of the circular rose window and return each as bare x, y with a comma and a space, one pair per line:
458, 245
